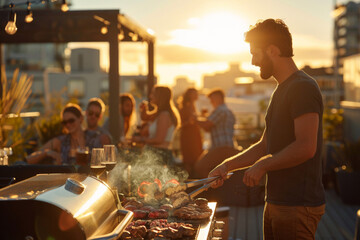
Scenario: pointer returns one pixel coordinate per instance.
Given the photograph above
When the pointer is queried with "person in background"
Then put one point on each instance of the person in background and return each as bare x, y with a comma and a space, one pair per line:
190, 135
94, 113
127, 116
289, 151
162, 122
220, 124
63, 148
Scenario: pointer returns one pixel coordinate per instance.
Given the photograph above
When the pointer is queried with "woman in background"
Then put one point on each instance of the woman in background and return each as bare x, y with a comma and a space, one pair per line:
162, 122
63, 148
190, 135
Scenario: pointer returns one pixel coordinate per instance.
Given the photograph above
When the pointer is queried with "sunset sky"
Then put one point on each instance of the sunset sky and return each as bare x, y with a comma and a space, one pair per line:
196, 37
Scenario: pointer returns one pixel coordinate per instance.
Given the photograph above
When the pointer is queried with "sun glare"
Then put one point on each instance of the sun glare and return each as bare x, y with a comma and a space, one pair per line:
221, 32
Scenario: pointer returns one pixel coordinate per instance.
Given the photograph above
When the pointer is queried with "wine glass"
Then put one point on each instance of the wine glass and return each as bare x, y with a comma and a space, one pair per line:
97, 157
109, 157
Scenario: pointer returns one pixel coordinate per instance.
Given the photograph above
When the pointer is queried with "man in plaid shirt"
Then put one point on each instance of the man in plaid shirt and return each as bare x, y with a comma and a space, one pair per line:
220, 124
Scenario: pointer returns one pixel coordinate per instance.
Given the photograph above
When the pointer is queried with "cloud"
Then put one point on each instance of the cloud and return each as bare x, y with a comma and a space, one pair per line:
176, 54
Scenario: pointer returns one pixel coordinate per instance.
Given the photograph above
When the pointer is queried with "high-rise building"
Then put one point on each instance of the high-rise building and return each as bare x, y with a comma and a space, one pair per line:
346, 32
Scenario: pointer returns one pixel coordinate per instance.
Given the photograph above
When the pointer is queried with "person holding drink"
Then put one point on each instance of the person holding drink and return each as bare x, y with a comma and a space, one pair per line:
64, 149
162, 122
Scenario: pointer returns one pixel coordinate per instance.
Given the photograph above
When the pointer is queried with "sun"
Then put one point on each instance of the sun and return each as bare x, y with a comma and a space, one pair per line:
221, 32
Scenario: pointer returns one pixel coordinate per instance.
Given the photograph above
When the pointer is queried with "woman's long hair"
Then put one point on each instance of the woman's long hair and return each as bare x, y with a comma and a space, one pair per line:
185, 99
164, 94
129, 97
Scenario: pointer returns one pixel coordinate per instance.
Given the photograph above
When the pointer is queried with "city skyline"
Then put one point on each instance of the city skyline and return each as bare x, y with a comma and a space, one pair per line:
201, 37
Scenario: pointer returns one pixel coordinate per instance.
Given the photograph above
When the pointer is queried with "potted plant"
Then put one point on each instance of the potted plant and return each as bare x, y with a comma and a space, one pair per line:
348, 174
13, 97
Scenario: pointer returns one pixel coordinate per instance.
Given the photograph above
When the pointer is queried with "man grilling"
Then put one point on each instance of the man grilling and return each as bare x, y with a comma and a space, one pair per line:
288, 152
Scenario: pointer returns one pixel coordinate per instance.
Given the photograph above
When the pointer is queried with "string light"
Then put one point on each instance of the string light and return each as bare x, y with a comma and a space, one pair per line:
134, 36
11, 25
29, 15
64, 6
121, 35
104, 30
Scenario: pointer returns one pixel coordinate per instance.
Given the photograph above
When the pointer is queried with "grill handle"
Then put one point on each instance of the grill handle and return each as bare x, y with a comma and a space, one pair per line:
115, 234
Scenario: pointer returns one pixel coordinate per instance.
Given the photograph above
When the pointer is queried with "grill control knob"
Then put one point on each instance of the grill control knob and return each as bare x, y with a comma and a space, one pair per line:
217, 233
219, 224
74, 186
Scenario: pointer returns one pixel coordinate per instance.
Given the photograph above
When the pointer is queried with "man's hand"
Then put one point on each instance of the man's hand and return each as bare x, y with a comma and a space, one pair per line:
220, 170
255, 173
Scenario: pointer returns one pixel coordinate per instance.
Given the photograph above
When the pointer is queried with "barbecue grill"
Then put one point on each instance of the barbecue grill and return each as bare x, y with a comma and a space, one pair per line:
61, 206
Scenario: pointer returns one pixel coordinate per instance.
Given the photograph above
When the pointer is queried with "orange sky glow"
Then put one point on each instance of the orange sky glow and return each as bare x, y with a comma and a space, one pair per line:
204, 40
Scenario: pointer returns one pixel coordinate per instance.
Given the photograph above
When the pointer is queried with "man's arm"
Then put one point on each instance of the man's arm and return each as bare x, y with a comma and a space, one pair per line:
205, 124
299, 151
242, 160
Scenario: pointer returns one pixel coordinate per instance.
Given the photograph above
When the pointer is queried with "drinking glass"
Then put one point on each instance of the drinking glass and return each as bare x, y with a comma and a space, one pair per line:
109, 157
82, 156
97, 157
3, 157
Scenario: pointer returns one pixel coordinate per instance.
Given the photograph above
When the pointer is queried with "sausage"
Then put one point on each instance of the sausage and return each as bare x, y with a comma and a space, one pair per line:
147, 208
140, 214
159, 213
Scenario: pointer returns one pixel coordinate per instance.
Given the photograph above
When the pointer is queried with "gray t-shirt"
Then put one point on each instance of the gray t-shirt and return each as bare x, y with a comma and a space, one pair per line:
302, 184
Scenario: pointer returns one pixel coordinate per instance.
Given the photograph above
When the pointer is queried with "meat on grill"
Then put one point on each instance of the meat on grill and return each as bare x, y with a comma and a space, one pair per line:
159, 213
159, 228
138, 231
130, 207
167, 207
134, 202
140, 214
179, 199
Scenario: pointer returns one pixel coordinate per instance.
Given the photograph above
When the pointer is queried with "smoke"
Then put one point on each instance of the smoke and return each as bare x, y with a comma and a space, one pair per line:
145, 165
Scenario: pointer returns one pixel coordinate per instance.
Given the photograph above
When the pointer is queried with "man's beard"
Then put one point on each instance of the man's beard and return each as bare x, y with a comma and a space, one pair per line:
266, 67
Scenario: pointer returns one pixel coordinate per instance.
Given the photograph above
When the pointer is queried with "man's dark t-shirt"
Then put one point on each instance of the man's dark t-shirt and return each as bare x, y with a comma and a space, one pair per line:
300, 185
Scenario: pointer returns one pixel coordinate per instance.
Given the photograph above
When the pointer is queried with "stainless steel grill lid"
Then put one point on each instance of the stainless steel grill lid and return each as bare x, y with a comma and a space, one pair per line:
61, 206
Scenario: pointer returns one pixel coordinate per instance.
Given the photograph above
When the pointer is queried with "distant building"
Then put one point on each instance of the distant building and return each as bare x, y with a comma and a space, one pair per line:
247, 87
226, 79
351, 105
346, 32
181, 84
327, 82
346, 38
84, 81
352, 78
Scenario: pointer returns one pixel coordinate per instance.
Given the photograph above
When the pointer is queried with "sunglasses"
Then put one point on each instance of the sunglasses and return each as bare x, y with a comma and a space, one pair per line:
65, 122
91, 113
